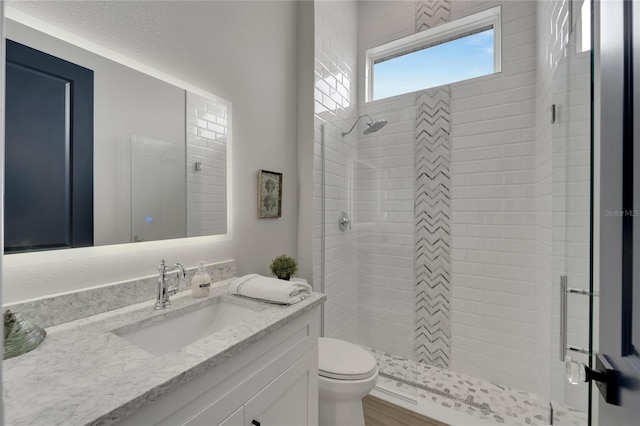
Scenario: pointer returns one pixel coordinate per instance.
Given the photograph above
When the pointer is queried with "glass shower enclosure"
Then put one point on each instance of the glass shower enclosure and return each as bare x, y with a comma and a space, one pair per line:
573, 290
370, 250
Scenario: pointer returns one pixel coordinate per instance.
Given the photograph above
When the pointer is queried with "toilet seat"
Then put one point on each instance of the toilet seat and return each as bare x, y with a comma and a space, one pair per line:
342, 360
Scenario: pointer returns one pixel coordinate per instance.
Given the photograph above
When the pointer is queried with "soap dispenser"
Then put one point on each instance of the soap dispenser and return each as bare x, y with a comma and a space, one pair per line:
200, 282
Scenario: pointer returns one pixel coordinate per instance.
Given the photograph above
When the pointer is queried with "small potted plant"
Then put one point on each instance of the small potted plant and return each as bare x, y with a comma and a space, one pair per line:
284, 267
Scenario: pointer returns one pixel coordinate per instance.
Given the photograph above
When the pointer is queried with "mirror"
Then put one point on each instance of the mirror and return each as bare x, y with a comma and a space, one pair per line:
160, 153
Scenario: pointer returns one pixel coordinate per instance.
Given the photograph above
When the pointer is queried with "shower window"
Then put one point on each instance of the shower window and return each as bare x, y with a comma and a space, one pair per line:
583, 28
454, 51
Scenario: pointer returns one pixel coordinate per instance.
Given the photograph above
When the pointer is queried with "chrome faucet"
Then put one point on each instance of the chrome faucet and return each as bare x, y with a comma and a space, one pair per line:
164, 291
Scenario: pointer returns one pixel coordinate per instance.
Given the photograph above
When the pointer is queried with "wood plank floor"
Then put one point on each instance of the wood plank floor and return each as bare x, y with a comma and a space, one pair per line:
378, 412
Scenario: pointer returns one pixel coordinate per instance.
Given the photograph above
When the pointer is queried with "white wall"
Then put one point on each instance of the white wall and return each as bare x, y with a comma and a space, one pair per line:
241, 51
126, 102
306, 144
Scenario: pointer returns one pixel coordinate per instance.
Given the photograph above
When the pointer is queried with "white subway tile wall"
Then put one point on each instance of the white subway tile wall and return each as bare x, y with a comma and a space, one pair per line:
494, 219
335, 63
207, 134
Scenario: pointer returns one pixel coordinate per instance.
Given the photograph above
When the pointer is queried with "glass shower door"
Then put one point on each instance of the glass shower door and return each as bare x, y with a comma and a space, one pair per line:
572, 290
367, 250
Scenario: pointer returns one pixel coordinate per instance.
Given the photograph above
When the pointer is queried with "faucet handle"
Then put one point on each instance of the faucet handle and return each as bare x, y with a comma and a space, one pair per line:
163, 265
182, 269
174, 289
178, 281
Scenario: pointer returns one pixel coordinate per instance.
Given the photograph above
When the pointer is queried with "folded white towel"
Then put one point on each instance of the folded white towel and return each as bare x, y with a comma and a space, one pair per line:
270, 289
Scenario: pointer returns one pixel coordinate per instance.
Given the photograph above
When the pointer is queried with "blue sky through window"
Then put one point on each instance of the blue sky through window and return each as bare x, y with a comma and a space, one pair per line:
456, 60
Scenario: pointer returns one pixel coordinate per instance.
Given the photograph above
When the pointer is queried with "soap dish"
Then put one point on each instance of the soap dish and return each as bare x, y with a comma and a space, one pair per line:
20, 335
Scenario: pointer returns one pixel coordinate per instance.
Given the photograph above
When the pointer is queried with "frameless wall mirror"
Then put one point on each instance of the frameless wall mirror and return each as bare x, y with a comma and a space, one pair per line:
148, 162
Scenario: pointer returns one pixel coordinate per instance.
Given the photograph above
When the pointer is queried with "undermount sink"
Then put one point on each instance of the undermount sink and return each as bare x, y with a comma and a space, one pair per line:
175, 332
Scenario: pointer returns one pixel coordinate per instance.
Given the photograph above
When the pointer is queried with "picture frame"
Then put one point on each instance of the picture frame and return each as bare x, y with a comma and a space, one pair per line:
269, 194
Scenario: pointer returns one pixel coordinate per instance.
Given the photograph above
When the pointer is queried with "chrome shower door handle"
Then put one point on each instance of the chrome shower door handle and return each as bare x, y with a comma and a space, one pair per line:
565, 290
563, 317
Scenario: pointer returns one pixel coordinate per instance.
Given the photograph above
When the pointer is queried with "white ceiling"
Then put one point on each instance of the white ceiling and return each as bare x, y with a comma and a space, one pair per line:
187, 39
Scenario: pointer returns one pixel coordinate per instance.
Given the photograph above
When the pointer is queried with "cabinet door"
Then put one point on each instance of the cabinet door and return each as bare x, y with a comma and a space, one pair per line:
236, 419
290, 400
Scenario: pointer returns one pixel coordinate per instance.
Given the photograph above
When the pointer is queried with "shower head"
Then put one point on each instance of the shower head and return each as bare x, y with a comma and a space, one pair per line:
372, 126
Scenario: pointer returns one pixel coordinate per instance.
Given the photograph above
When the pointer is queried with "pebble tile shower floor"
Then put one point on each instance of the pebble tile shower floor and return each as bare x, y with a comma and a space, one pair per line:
474, 397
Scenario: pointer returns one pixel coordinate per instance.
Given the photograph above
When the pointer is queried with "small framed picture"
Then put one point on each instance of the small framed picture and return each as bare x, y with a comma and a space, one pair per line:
269, 194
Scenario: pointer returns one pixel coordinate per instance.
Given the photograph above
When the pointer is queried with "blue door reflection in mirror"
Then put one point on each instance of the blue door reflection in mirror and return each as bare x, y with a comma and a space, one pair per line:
48, 152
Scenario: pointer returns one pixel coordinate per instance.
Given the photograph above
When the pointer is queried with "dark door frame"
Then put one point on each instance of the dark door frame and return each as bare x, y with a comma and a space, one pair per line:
619, 227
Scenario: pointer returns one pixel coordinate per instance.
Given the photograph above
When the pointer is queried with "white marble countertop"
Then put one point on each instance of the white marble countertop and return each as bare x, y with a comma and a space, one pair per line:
84, 374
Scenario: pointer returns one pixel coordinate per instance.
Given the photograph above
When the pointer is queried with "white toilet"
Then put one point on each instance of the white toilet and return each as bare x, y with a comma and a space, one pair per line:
347, 373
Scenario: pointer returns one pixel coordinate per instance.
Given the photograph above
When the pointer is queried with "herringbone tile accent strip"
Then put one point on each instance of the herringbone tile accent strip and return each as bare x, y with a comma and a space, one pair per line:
430, 13
433, 227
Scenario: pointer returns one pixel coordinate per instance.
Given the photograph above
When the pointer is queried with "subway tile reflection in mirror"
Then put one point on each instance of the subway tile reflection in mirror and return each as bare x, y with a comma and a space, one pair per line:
207, 135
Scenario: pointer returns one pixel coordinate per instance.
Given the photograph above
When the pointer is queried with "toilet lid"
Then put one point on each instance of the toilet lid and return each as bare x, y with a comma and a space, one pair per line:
338, 359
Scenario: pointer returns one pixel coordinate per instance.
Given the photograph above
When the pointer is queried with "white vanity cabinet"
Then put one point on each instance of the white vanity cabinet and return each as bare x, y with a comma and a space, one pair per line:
272, 382
285, 401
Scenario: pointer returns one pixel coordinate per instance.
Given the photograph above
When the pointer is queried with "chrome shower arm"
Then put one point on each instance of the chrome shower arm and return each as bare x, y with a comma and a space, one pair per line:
356, 122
